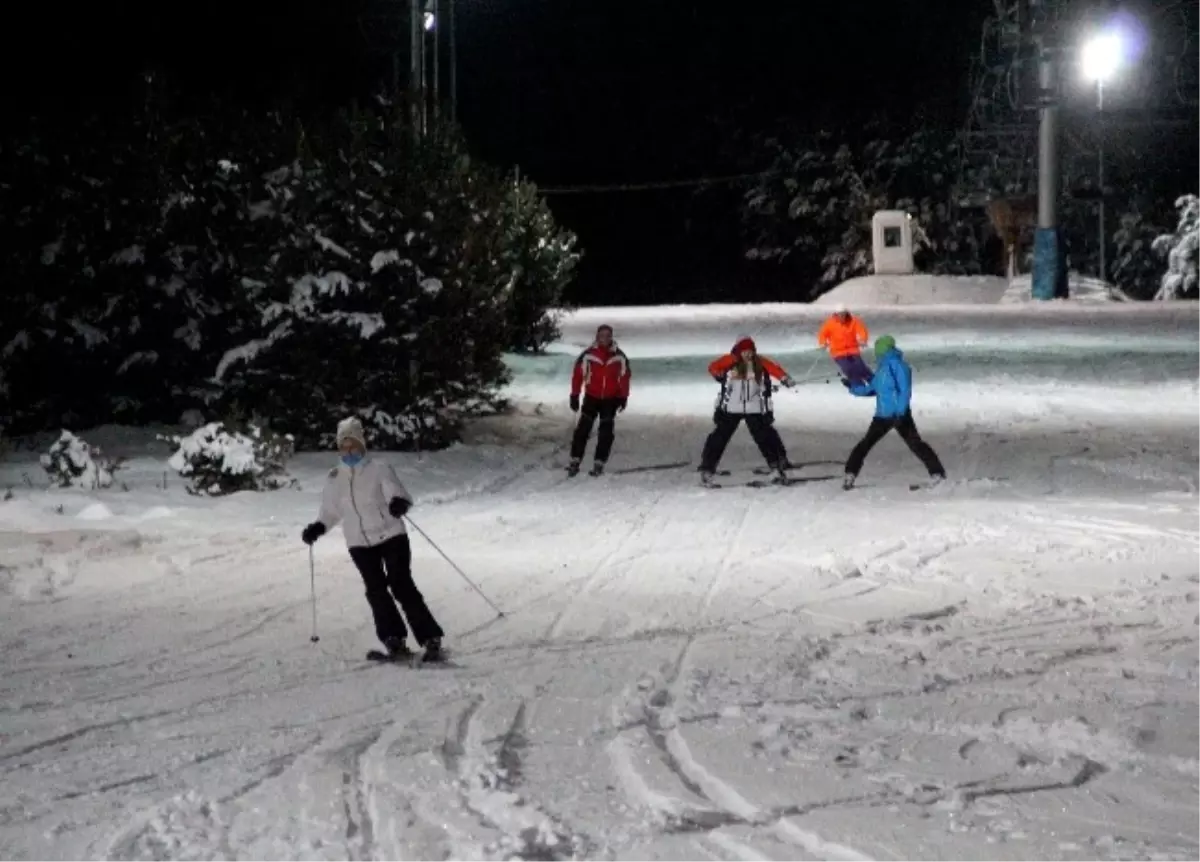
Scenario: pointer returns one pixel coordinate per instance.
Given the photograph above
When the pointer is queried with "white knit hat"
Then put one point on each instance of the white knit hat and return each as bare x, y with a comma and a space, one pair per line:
351, 429
840, 308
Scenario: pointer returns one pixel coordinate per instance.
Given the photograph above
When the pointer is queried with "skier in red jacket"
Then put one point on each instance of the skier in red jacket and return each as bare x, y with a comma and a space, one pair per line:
602, 374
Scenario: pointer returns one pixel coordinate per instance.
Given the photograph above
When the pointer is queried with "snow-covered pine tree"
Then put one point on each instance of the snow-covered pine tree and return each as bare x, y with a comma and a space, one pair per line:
217, 232
814, 207
541, 260
368, 305
56, 214
1136, 269
1181, 250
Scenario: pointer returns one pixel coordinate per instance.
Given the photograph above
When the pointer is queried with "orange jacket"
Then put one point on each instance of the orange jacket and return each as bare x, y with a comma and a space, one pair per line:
843, 339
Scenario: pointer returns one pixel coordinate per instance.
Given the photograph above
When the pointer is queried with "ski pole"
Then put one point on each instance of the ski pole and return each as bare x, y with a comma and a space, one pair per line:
808, 373
312, 579
826, 378
454, 566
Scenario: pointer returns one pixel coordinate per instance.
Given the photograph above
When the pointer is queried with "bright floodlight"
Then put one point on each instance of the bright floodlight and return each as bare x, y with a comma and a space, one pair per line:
1101, 57
430, 21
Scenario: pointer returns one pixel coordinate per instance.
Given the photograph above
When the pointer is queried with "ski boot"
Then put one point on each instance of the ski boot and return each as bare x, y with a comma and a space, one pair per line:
397, 649
433, 650
573, 468
706, 478
848, 481
597, 469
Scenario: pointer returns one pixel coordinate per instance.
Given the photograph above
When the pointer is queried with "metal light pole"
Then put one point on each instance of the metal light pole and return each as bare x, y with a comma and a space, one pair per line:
416, 66
1102, 56
1100, 171
435, 30
1046, 250
453, 63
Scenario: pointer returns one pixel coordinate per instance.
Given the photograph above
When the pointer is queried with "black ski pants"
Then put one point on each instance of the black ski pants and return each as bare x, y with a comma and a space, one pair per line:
907, 429
764, 434
385, 566
592, 408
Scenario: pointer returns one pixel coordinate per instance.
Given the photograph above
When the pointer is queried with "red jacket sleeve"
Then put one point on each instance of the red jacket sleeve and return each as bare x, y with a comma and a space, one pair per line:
772, 367
721, 364
626, 376
577, 374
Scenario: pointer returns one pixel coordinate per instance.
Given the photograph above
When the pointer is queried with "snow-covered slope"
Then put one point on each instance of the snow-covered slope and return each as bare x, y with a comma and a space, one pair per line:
1081, 288
922, 289
916, 289
1005, 667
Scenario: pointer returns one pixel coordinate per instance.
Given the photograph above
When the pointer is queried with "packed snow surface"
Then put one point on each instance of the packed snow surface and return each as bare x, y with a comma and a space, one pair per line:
916, 289
1001, 668
873, 291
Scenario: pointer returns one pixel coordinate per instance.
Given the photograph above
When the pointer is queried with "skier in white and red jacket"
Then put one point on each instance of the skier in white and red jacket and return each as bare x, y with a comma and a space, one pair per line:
367, 498
602, 374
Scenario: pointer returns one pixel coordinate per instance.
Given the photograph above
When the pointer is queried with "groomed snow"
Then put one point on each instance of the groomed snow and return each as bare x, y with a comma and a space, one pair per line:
1005, 667
916, 289
924, 289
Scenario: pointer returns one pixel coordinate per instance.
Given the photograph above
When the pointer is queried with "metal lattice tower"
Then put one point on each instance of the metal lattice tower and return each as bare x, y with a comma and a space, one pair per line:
999, 155
1000, 134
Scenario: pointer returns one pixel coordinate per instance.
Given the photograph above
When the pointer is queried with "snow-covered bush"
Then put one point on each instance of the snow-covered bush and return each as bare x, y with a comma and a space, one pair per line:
1136, 268
72, 463
1181, 249
220, 460
541, 258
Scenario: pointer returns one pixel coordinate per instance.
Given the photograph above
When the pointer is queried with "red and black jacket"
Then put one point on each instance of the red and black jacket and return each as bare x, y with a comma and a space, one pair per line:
601, 373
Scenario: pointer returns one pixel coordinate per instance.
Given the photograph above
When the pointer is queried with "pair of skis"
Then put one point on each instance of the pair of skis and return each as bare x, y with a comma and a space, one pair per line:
777, 479
414, 660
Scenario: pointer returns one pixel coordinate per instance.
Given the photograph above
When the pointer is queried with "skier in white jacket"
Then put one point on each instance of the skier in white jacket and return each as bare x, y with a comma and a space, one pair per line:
370, 502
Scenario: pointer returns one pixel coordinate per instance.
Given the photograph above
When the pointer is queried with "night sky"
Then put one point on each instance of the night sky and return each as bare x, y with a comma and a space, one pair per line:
573, 91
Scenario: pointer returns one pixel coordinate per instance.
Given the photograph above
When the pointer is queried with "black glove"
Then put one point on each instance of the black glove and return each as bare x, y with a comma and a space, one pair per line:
622, 403
716, 417
574, 403
398, 507
787, 382
770, 417
845, 382
312, 532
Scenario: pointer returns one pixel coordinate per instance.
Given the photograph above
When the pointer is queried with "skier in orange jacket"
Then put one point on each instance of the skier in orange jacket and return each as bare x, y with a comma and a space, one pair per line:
844, 336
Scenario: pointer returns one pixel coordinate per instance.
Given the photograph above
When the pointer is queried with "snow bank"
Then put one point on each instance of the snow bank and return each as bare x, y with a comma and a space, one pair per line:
917, 289
1082, 288
954, 290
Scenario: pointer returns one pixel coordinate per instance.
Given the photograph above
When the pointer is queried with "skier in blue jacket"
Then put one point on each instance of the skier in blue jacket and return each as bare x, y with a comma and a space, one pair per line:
892, 388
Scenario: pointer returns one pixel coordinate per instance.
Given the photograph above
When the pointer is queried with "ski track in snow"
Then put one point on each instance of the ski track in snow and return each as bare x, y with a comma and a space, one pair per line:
1003, 667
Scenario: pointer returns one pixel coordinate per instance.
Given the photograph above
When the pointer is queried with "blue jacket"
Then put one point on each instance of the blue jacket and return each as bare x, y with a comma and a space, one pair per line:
891, 386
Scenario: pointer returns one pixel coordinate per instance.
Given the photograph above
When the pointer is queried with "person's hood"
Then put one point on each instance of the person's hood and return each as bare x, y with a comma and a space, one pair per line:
744, 342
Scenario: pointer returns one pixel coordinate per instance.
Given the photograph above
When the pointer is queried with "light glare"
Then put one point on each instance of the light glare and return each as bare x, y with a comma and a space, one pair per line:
1101, 57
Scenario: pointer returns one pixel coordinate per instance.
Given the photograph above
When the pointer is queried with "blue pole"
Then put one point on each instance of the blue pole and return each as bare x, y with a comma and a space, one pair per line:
1046, 249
